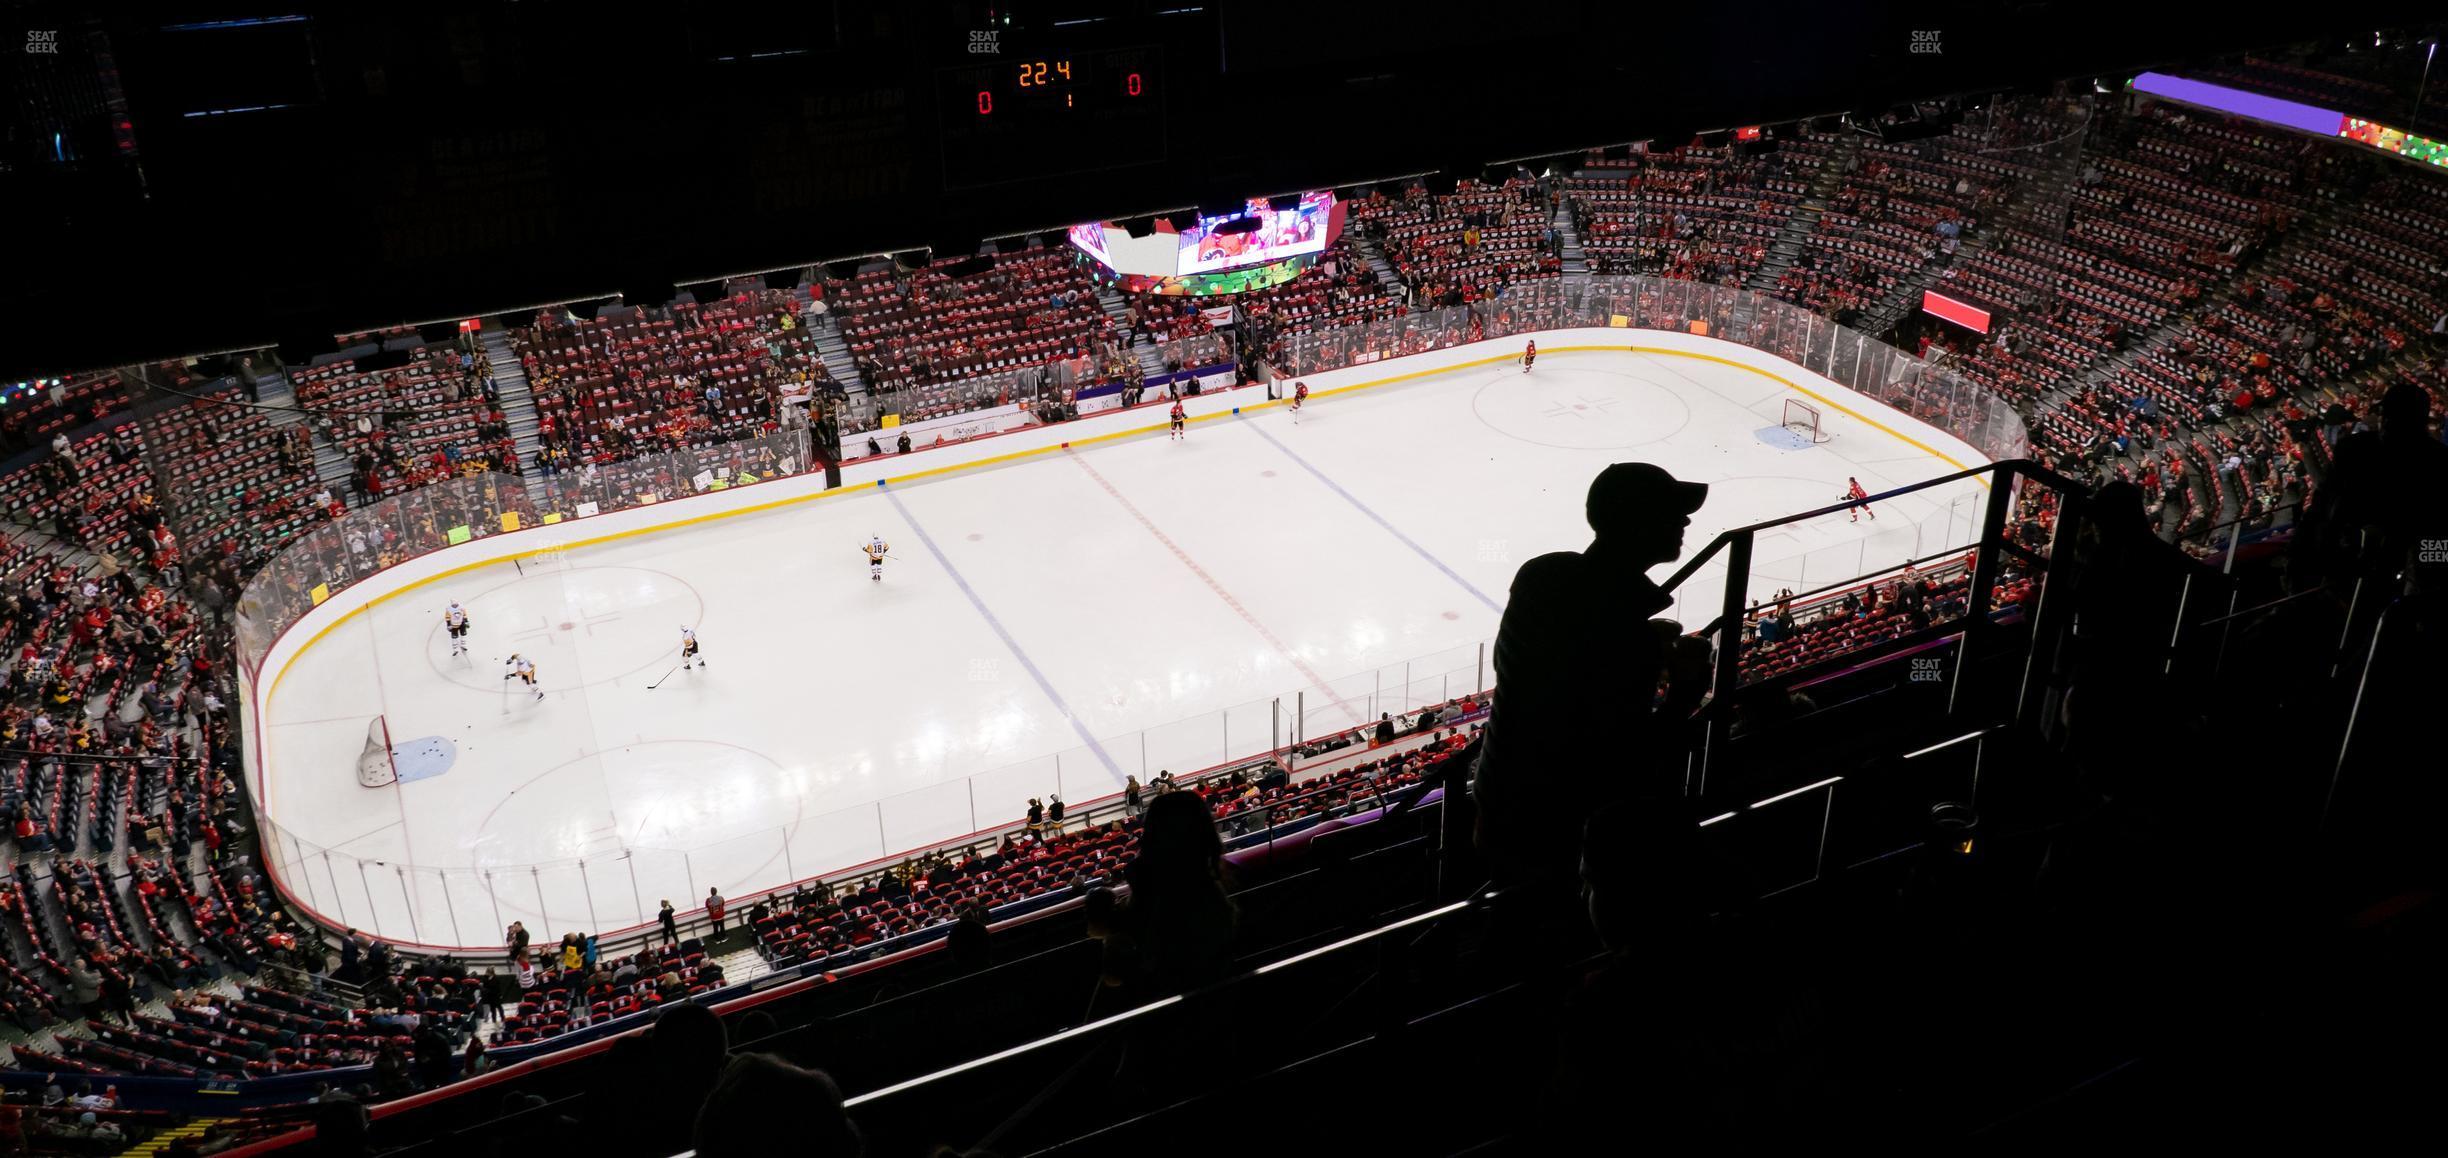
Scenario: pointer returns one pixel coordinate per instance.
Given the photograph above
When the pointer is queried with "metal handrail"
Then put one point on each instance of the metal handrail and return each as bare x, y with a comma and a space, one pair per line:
1976, 619
1725, 539
1818, 596
2354, 714
2214, 528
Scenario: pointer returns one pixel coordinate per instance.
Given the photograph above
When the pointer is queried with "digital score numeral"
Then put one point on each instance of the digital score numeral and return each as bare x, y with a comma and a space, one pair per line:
1043, 73
1037, 73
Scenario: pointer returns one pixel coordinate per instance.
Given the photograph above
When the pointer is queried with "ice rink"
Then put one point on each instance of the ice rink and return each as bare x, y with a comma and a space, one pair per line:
1051, 624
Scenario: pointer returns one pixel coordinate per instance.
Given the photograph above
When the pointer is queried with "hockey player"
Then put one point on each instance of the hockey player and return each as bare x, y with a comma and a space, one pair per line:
1178, 416
524, 669
1854, 491
455, 621
876, 548
1529, 355
688, 647
1300, 394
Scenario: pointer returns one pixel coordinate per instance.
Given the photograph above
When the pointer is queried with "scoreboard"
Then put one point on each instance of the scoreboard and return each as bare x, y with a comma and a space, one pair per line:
1050, 114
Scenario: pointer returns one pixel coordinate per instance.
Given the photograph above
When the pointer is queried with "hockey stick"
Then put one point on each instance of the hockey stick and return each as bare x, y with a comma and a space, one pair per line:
667, 675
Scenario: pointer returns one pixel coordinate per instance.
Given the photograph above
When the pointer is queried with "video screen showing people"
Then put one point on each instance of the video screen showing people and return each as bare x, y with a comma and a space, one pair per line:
1091, 238
1281, 233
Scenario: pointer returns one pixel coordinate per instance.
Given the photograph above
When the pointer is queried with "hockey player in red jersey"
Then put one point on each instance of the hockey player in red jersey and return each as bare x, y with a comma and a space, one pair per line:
1854, 491
1300, 394
1178, 416
1529, 355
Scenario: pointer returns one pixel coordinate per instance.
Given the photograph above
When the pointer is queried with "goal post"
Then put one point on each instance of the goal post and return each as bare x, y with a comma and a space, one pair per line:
374, 766
1802, 418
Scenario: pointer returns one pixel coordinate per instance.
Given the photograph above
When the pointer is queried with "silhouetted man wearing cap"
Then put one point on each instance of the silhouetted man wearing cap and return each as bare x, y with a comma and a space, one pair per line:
2386, 497
1578, 663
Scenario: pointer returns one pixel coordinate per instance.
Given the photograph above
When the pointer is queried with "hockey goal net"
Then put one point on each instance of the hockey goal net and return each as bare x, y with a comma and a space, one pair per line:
1803, 419
374, 766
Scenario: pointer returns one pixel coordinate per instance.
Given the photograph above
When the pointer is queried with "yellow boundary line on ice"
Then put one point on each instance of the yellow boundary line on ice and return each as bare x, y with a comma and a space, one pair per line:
1092, 440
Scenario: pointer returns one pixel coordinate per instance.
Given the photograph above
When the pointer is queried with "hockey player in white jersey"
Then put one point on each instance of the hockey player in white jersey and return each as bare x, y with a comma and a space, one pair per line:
875, 549
688, 647
525, 669
455, 621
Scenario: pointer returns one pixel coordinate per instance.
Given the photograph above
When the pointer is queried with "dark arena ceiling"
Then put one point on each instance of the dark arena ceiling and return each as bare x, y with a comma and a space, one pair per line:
180, 178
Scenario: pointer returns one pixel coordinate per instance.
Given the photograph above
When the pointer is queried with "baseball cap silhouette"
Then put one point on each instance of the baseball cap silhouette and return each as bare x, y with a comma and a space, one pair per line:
1629, 494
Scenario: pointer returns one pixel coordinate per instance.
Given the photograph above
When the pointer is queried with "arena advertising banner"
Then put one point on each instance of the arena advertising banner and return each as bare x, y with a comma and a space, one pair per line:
1962, 313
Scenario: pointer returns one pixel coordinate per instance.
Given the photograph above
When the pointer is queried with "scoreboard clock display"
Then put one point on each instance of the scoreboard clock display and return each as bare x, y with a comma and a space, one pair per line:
1021, 117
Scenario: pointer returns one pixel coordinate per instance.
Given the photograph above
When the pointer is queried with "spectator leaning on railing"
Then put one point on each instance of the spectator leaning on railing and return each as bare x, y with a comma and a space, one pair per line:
1578, 667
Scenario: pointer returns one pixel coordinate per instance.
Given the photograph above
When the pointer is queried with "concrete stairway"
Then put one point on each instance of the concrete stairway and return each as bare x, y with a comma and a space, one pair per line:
1786, 251
161, 1142
834, 349
1143, 348
331, 463
1376, 259
517, 403
1576, 262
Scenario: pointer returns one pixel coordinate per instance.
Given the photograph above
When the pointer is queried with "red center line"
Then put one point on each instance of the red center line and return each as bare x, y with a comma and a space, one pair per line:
1303, 668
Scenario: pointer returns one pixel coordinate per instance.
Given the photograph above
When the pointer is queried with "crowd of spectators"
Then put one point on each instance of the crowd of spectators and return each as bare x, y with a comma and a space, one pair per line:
47, 410
546, 994
237, 480
918, 336
437, 416
2166, 204
165, 930
2233, 408
645, 380
1788, 634
1341, 290
1697, 212
95, 495
821, 921
1900, 206
1448, 249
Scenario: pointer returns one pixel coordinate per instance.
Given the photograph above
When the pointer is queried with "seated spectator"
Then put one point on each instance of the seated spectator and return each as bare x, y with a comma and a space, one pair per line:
655, 1083
1175, 930
762, 1105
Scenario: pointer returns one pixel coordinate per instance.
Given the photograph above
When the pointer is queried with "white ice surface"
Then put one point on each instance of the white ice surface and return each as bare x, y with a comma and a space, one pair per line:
1046, 625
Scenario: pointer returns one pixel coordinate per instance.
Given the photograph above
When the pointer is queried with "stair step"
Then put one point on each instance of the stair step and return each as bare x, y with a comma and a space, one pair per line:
162, 1141
517, 403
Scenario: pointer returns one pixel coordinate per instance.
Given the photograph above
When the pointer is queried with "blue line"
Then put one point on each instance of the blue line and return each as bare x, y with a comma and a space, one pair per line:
1043, 684
1379, 519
